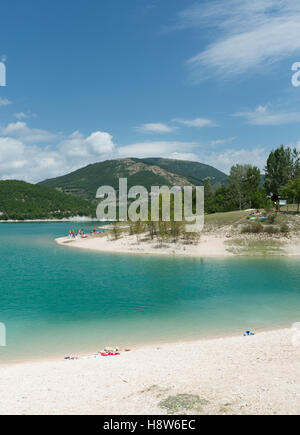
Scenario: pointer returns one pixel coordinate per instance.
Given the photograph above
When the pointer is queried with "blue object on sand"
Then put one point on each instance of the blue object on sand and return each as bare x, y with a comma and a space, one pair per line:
247, 333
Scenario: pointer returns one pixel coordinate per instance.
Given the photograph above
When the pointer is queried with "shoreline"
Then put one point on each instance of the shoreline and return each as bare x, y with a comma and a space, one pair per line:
210, 245
64, 220
146, 345
230, 375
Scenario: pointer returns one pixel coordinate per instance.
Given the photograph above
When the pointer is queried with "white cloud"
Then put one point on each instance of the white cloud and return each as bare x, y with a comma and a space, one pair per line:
155, 128
156, 149
23, 115
20, 115
20, 159
247, 35
198, 122
21, 131
225, 159
263, 115
77, 146
222, 141
4, 102
184, 156
100, 142
164, 128
33, 163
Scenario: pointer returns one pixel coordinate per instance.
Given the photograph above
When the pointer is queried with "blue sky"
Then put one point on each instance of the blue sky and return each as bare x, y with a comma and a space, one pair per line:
199, 80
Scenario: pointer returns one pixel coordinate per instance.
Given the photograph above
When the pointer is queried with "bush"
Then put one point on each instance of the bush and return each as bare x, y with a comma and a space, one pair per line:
254, 228
116, 231
284, 229
271, 230
269, 206
271, 218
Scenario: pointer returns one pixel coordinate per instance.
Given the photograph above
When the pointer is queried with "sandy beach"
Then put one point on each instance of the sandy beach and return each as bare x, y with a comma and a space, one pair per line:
233, 375
210, 245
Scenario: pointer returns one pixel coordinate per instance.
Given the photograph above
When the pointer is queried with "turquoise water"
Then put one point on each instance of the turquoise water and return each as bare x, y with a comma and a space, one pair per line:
59, 301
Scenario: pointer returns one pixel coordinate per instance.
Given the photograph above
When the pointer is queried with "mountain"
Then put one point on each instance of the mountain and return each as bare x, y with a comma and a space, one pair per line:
195, 172
20, 200
146, 172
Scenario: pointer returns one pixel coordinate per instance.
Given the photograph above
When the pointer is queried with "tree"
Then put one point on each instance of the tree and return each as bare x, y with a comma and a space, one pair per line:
283, 165
208, 190
116, 231
138, 229
176, 229
162, 232
223, 201
292, 191
244, 188
244, 181
296, 163
236, 181
252, 195
152, 226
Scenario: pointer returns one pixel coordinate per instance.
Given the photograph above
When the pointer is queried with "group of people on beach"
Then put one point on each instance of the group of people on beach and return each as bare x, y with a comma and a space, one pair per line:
72, 233
80, 233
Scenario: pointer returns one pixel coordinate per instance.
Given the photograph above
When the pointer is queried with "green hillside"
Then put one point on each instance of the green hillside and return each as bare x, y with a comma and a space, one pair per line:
195, 172
20, 200
146, 172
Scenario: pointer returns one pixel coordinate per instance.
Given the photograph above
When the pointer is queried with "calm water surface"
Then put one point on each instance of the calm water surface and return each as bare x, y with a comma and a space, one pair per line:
59, 301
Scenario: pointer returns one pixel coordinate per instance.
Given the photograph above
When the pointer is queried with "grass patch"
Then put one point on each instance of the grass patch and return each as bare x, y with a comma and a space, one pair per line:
257, 228
236, 218
254, 228
269, 229
290, 207
284, 229
182, 402
228, 218
255, 247
292, 222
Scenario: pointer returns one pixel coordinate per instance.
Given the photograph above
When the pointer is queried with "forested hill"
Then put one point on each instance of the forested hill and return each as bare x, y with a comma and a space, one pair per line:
20, 200
146, 172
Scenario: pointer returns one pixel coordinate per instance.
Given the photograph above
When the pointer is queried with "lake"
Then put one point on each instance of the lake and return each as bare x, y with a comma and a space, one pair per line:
57, 301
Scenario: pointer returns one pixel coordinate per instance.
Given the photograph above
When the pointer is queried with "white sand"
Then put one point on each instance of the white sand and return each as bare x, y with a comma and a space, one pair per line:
239, 375
293, 248
209, 246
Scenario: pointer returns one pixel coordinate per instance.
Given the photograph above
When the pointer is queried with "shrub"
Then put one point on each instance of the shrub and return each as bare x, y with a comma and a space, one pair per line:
116, 231
271, 230
284, 228
269, 206
271, 218
254, 228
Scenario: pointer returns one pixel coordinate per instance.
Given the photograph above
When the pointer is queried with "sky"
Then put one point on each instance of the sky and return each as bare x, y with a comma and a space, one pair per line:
87, 81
